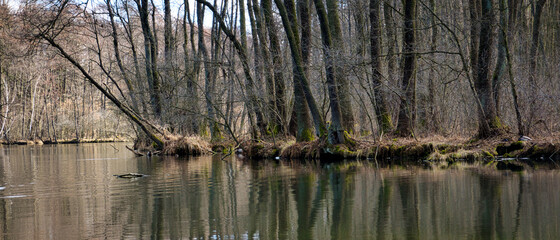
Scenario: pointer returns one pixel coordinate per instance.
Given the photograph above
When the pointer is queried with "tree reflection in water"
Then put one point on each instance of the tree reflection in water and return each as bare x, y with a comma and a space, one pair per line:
69, 192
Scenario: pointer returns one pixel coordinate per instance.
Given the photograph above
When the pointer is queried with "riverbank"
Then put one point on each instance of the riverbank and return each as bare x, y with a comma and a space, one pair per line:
434, 151
431, 151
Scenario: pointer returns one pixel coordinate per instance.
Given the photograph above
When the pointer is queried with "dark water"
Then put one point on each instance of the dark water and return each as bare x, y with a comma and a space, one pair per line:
69, 192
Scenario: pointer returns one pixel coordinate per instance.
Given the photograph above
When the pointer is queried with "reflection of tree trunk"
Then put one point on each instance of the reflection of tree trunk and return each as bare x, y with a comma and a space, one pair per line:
215, 197
343, 196
303, 190
409, 199
489, 208
518, 209
157, 219
384, 203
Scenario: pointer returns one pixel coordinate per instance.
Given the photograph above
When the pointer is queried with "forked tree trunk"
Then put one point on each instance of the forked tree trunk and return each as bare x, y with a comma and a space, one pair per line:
301, 80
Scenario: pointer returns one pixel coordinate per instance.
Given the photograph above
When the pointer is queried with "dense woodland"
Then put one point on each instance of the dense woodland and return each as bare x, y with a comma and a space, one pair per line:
251, 69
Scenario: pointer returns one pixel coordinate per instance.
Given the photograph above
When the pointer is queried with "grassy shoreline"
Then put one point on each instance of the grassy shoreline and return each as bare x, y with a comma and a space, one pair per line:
432, 152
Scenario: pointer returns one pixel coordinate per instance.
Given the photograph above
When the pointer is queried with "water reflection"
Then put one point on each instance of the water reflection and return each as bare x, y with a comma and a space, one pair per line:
69, 192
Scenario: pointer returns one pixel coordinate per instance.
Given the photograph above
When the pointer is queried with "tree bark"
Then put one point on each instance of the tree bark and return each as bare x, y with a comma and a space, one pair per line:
190, 74
535, 41
301, 80
383, 116
501, 61
301, 114
150, 52
337, 55
336, 131
169, 45
407, 111
489, 123
277, 61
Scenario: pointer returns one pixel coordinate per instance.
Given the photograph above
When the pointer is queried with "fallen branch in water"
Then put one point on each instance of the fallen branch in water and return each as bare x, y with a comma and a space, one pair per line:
139, 154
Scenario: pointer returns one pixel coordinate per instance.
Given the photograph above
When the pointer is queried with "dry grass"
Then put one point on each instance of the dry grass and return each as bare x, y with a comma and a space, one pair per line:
182, 146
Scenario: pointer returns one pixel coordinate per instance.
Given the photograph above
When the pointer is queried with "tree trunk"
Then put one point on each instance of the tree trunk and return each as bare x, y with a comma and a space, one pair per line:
150, 56
392, 45
242, 52
301, 79
535, 41
301, 114
501, 61
253, 102
336, 131
145, 126
116, 50
384, 121
277, 61
489, 123
169, 46
432, 108
407, 111
191, 75
337, 56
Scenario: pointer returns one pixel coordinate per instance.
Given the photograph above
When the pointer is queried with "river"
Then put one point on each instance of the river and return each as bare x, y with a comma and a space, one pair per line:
69, 192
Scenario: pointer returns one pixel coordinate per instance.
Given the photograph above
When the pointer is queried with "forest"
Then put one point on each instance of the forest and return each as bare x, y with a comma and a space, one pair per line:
328, 71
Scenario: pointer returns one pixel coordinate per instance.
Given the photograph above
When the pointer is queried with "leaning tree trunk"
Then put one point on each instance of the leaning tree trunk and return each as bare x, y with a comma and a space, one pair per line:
242, 52
407, 111
149, 129
301, 80
304, 125
116, 49
336, 132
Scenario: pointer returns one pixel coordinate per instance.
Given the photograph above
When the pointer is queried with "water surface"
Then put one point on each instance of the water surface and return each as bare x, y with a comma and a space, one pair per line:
69, 192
